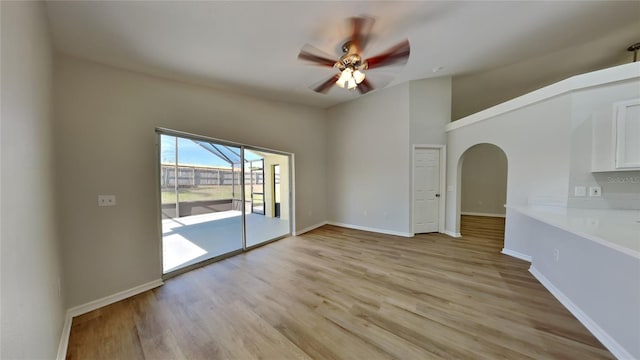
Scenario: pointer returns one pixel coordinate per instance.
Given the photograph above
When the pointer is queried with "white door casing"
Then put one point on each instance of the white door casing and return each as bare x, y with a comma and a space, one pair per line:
426, 193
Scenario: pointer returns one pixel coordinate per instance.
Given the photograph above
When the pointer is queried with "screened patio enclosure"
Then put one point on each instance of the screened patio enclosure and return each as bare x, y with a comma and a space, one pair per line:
217, 199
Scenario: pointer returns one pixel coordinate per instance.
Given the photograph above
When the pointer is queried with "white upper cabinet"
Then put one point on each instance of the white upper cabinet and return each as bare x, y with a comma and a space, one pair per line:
627, 132
616, 142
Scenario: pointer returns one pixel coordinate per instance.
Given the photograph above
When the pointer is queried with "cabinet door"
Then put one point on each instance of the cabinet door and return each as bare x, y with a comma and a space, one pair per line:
627, 125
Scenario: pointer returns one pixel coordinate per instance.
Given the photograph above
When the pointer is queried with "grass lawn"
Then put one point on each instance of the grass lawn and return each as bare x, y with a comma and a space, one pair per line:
202, 193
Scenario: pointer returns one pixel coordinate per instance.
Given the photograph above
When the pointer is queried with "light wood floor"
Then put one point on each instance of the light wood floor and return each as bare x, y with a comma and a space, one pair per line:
336, 293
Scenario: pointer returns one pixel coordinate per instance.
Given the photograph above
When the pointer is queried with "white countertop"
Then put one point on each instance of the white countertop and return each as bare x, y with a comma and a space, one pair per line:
618, 229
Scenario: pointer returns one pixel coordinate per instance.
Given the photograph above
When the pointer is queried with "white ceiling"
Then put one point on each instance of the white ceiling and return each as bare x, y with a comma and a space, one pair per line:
252, 47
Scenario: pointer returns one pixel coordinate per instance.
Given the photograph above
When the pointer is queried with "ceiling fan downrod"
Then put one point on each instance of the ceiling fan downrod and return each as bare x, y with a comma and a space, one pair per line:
635, 47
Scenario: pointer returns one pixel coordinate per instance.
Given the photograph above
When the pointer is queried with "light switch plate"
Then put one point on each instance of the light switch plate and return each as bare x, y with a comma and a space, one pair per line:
580, 191
595, 191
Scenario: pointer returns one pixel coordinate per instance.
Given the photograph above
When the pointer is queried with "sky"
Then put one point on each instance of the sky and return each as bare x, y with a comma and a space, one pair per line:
191, 153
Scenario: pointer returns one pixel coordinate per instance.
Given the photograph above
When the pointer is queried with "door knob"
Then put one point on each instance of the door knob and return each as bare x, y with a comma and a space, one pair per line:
437, 195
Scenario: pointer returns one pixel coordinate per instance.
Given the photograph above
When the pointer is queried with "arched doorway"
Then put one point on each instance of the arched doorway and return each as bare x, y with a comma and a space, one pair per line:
482, 176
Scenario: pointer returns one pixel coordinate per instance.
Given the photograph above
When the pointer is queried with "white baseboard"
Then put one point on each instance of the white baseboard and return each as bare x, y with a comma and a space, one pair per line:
309, 228
366, 228
616, 349
96, 304
516, 254
452, 234
108, 300
483, 214
64, 338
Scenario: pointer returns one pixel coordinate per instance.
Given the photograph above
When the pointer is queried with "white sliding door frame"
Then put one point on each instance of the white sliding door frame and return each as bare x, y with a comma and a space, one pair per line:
242, 147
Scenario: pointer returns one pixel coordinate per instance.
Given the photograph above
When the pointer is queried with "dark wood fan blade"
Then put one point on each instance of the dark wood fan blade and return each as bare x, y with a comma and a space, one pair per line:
325, 86
360, 28
365, 86
316, 56
396, 54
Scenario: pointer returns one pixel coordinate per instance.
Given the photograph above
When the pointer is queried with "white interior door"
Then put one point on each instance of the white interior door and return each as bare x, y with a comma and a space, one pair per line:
426, 190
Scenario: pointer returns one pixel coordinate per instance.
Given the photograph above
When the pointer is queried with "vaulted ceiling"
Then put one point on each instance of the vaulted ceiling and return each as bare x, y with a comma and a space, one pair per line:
252, 47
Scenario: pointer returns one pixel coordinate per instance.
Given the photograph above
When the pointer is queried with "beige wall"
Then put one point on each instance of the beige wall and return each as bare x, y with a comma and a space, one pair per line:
368, 161
32, 306
478, 91
369, 150
484, 180
105, 121
430, 110
269, 161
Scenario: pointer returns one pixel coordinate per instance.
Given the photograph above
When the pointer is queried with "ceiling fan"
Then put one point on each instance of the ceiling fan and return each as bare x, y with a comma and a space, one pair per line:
351, 66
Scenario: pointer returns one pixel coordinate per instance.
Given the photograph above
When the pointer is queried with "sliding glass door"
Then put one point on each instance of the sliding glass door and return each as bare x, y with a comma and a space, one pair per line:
267, 217
218, 199
200, 181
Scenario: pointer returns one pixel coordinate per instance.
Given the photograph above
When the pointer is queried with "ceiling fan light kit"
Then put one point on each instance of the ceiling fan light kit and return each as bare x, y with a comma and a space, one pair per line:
351, 66
348, 79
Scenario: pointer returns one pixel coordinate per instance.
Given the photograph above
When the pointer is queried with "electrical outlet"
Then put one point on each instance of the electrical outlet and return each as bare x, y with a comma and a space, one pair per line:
106, 200
579, 191
595, 191
556, 255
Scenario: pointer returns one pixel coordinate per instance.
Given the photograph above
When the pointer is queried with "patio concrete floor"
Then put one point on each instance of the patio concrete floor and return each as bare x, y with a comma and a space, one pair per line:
191, 239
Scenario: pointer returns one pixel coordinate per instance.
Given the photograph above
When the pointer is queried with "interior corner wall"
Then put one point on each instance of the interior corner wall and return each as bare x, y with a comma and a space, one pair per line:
368, 161
106, 144
429, 110
32, 303
484, 181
